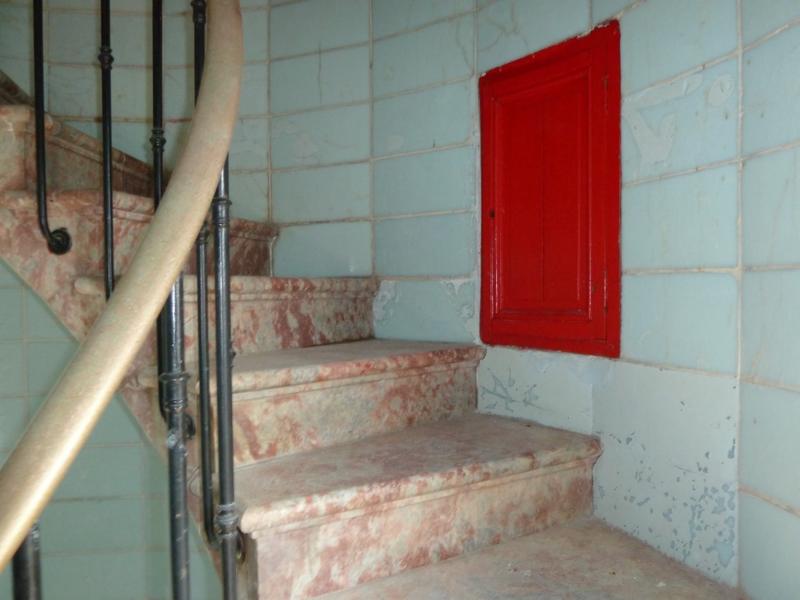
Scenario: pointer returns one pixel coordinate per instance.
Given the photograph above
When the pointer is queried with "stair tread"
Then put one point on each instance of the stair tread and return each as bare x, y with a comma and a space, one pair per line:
395, 466
585, 557
293, 366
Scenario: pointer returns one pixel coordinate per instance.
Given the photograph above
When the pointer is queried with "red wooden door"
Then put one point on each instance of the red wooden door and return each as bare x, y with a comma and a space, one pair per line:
550, 155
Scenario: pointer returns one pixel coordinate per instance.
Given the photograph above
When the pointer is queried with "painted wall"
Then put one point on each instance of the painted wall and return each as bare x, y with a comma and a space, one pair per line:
105, 533
374, 171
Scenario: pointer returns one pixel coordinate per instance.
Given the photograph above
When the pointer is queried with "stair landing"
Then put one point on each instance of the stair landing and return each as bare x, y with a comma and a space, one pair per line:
583, 559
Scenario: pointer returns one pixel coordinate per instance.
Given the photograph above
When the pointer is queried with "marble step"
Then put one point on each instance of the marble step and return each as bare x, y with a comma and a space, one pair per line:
271, 313
330, 519
288, 401
581, 559
74, 159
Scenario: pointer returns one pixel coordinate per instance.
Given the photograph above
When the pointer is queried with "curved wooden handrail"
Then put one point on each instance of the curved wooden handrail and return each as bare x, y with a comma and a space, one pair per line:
60, 428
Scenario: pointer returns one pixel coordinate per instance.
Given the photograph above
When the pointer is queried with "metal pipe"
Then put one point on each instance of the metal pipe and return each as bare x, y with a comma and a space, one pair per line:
58, 241
157, 143
106, 60
171, 364
59, 430
227, 519
201, 253
27, 571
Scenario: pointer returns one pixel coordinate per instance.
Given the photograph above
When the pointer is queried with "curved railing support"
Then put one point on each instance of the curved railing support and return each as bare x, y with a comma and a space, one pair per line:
59, 430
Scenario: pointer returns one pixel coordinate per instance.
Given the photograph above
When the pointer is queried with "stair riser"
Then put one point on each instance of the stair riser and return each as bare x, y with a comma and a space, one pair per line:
339, 553
273, 323
303, 417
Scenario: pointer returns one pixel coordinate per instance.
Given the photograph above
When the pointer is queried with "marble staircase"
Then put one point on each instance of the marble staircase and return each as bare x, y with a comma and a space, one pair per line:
357, 460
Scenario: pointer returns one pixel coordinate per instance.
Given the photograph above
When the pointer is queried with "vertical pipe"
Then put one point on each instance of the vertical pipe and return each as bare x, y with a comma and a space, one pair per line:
157, 143
172, 371
26, 566
106, 60
201, 253
58, 241
227, 516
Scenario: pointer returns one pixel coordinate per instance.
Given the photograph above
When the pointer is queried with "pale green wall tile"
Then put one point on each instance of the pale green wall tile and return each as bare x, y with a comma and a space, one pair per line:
771, 213
321, 137
686, 320
443, 180
324, 250
80, 576
769, 442
12, 370
253, 99
668, 472
104, 471
771, 89
662, 39
131, 40
392, 16
426, 310
334, 77
17, 36
423, 120
434, 54
82, 43
313, 25
249, 195
46, 361
437, 245
509, 29
40, 322
10, 313
116, 426
688, 221
321, 194
760, 17
92, 525
667, 127
255, 29
178, 39
770, 547
770, 328
13, 419
250, 144
178, 92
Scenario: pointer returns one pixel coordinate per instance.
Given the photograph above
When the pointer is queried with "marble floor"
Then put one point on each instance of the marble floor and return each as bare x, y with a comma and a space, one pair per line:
582, 560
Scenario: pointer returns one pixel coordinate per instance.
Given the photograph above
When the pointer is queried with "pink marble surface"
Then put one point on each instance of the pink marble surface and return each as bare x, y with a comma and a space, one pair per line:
352, 404
73, 158
251, 247
396, 466
270, 313
331, 520
581, 559
329, 362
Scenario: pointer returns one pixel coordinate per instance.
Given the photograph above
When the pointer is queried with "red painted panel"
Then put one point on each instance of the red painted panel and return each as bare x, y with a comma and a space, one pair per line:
550, 155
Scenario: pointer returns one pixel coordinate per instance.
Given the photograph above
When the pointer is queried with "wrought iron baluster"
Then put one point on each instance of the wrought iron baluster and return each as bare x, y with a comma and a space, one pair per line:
226, 521
58, 241
106, 60
26, 566
172, 369
201, 253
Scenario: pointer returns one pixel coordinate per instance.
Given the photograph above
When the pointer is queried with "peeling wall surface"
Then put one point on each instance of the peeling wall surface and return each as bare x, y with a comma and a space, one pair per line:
359, 136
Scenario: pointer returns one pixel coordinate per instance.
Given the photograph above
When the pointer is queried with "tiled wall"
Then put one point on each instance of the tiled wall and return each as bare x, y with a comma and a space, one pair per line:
697, 318
105, 533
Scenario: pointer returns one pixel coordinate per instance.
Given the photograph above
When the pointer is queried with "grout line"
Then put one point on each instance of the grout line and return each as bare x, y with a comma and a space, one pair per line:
770, 383
679, 270
318, 51
754, 493
739, 263
427, 24
371, 92
269, 198
771, 267
670, 367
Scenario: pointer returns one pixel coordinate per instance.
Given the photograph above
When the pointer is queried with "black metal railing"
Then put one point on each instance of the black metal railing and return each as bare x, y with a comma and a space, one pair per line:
220, 516
58, 241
